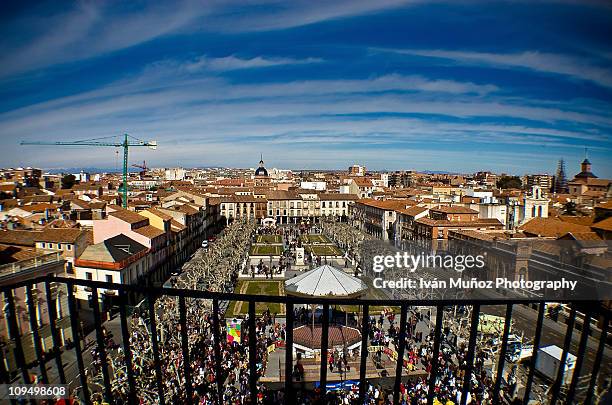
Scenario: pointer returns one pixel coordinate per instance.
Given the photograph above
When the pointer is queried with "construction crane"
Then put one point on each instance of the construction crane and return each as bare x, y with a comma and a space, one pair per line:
144, 168
128, 142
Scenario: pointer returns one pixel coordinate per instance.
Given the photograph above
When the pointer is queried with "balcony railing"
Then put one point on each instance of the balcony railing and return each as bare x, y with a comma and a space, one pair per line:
12, 268
592, 311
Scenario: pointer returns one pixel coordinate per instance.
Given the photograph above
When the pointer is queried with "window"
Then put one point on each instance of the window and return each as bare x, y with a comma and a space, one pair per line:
69, 247
59, 246
89, 276
42, 245
109, 278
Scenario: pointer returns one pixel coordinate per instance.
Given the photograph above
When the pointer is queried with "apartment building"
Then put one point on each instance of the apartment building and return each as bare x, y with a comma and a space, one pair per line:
443, 219
118, 259
138, 228
378, 217
336, 205
243, 206
68, 242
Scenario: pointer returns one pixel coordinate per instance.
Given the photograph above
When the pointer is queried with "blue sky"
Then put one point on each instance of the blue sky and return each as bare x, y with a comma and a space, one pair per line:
458, 86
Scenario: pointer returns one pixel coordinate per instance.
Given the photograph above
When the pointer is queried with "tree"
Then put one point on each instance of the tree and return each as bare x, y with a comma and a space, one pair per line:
509, 182
68, 181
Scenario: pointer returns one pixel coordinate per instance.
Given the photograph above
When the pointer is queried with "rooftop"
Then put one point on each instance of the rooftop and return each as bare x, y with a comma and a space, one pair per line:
551, 227
113, 250
454, 209
130, 217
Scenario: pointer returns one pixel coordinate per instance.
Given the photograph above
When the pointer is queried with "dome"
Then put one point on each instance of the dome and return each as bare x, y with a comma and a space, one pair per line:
261, 170
325, 281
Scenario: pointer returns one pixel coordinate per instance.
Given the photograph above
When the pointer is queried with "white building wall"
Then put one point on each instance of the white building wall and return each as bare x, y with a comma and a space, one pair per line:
314, 185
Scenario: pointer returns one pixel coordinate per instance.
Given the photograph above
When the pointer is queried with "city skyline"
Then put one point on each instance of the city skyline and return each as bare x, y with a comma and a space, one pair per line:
455, 87
133, 170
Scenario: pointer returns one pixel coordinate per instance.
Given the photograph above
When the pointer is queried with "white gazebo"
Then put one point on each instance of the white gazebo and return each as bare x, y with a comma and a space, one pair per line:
325, 281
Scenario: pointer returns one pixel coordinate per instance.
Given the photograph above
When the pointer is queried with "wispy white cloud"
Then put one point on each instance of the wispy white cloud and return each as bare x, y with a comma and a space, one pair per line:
169, 80
571, 66
233, 62
92, 29
96, 28
214, 108
275, 14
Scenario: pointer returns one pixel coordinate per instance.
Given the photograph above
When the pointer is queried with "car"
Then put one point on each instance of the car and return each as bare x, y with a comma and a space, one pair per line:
205, 244
212, 238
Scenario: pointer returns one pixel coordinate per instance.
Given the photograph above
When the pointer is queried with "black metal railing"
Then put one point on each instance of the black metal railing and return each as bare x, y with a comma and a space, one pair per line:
592, 310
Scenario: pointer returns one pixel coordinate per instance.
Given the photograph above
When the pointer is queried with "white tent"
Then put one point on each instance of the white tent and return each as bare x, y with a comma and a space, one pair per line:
325, 281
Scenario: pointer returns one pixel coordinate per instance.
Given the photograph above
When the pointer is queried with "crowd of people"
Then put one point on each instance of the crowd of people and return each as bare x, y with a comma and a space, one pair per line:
216, 270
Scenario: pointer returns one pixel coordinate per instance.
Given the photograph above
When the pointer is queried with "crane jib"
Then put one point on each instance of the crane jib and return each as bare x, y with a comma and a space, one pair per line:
125, 144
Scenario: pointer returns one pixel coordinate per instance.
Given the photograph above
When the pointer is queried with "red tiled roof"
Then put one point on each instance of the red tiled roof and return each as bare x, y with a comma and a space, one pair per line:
460, 224
605, 225
605, 205
390, 205
551, 227
413, 211
66, 235
338, 336
160, 214
454, 209
21, 238
149, 231
587, 221
337, 197
128, 216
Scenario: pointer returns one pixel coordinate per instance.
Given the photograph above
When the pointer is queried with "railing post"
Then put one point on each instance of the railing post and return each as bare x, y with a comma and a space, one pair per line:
597, 363
534, 355
433, 374
252, 352
467, 379
57, 352
74, 322
324, 350
125, 335
289, 352
502, 354
566, 346
365, 332
400, 353
584, 336
155, 346
101, 345
35, 335
217, 348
